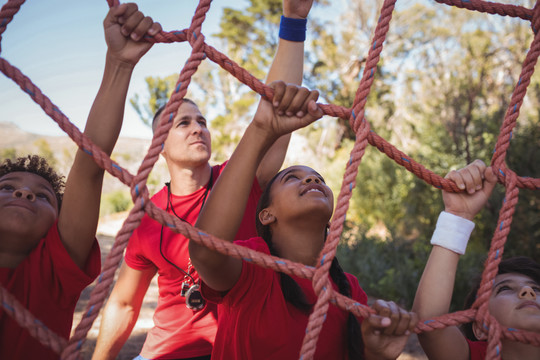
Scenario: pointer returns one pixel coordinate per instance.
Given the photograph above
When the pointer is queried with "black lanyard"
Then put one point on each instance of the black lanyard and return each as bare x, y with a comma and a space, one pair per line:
169, 203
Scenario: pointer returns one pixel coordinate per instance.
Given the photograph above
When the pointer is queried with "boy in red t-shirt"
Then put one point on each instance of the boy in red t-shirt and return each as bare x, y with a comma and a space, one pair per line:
48, 249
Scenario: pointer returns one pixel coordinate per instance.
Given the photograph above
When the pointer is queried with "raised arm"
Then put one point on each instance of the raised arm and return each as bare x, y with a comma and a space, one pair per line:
434, 292
120, 314
77, 222
288, 66
224, 208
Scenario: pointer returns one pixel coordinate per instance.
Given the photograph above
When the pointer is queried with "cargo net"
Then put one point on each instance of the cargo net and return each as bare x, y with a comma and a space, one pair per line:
69, 349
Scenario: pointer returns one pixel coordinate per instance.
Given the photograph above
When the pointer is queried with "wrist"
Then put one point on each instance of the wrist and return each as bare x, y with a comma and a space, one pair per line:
293, 16
116, 62
292, 29
264, 138
452, 232
462, 214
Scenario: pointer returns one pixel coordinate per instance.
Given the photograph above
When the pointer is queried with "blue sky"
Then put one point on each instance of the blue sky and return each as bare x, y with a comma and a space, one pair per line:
60, 46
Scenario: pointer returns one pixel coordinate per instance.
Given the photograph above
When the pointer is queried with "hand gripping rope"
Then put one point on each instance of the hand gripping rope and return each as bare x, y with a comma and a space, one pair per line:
319, 275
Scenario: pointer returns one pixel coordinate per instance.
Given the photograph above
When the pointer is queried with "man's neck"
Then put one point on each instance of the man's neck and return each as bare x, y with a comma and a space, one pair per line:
185, 181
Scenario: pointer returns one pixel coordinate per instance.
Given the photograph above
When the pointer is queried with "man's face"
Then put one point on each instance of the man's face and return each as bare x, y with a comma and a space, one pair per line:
188, 143
28, 208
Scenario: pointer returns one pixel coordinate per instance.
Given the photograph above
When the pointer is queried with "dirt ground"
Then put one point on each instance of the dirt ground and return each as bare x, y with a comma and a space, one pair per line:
144, 323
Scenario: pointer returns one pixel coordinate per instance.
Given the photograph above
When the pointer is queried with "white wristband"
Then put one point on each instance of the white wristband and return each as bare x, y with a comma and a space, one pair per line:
452, 232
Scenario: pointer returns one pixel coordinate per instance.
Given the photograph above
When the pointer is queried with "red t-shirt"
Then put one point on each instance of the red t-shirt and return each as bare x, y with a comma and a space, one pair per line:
256, 322
48, 283
178, 332
478, 349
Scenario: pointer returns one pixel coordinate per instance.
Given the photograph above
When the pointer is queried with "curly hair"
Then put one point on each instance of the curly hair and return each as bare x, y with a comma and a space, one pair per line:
35, 164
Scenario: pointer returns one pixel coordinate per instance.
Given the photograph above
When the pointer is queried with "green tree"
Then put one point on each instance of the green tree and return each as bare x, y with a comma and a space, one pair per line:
440, 95
8, 153
44, 150
115, 201
159, 91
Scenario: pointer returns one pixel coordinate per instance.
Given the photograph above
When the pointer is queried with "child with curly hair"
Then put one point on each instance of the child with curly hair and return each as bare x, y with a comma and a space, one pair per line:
48, 248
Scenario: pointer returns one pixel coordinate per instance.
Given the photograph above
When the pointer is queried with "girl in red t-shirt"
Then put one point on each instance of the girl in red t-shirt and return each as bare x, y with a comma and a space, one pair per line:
293, 218
515, 298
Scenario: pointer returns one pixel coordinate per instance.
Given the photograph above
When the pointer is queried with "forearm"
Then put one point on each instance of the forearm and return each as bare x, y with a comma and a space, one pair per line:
102, 127
433, 299
77, 224
116, 325
371, 355
436, 286
450, 239
288, 65
232, 188
107, 113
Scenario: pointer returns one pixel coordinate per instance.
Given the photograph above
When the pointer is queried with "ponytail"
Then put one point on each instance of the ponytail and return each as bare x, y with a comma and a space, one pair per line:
356, 345
294, 295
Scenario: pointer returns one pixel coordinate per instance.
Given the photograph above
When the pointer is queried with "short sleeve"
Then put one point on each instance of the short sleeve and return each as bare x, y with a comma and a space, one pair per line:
254, 279
134, 257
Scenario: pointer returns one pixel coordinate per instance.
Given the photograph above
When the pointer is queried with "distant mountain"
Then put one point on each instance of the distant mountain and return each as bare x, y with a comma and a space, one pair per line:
13, 136
128, 152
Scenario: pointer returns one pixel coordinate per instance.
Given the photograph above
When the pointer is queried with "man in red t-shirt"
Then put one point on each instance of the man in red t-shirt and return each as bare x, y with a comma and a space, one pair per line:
152, 245
181, 332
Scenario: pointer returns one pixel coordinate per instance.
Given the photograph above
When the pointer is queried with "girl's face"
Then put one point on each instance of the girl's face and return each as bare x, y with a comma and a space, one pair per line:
515, 302
300, 191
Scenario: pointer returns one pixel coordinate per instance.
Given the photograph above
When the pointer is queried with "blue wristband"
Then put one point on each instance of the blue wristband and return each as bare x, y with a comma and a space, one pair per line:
292, 29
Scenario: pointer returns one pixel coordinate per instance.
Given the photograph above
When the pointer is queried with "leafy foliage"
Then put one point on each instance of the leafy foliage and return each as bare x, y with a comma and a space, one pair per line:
115, 202
8, 153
